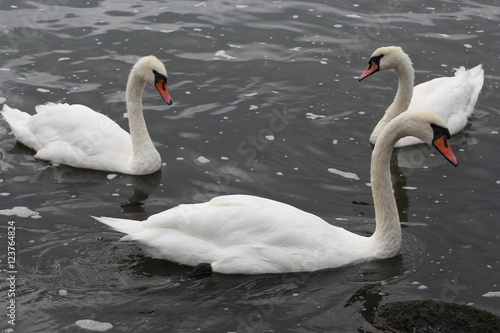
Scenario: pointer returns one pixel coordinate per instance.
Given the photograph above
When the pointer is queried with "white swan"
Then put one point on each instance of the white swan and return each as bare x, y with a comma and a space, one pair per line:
77, 136
451, 98
242, 234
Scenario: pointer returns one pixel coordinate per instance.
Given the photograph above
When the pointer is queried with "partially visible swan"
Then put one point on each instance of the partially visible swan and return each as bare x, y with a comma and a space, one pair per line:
242, 234
451, 98
77, 136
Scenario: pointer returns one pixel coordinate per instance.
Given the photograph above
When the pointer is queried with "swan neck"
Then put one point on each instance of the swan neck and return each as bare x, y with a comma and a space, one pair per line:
402, 99
141, 141
404, 93
387, 234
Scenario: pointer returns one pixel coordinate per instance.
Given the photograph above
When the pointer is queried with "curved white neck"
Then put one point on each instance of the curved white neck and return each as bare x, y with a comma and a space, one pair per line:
387, 236
402, 99
141, 141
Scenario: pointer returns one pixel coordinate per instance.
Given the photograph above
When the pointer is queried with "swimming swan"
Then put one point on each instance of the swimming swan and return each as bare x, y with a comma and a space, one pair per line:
242, 234
451, 98
77, 136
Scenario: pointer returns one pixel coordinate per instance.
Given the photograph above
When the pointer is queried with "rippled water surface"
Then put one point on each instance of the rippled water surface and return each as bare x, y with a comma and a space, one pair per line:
266, 102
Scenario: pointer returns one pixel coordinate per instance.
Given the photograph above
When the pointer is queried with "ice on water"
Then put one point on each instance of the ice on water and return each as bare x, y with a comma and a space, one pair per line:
21, 211
93, 325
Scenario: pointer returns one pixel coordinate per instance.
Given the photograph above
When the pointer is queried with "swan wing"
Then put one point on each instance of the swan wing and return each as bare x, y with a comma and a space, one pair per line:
451, 98
243, 234
74, 135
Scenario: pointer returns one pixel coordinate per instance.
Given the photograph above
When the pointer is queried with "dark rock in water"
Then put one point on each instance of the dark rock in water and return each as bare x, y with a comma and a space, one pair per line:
434, 316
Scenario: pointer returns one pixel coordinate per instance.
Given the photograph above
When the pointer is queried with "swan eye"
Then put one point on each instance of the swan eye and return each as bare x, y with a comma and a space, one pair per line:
159, 78
376, 59
440, 131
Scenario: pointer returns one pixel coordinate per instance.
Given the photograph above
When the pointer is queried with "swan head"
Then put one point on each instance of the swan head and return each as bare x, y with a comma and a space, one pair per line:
426, 126
150, 69
387, 57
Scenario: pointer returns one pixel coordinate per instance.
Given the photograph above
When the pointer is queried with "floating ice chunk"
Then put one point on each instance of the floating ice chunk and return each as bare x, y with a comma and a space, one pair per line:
468, 46
409, 187
203, 160
492, 294
222, 53
21, 211
270, 137
63, 292
2, 99
62, 59
253, 107
353, 15
42, 90
345, 174
92, 325
313, 116
111, 176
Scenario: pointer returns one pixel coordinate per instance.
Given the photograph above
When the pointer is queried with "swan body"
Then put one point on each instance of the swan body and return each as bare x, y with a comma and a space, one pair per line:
242, 234
77, 136
451, 98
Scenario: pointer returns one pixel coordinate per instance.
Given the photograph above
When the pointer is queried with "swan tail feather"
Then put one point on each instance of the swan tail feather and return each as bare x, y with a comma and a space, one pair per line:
476, 78
477, 72
129, 227
14, 117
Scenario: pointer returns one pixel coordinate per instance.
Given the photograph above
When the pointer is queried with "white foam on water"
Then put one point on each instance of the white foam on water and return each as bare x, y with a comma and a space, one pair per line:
93, 325
21, 211
345, 174
492, 294
203, 160
222, 53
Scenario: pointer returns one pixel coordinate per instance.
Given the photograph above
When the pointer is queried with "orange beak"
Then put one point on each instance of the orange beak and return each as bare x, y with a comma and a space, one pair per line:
372, 68
162, 88
444, 148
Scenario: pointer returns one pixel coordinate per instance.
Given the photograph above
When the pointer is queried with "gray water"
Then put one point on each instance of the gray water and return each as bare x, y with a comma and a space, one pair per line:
266, 102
